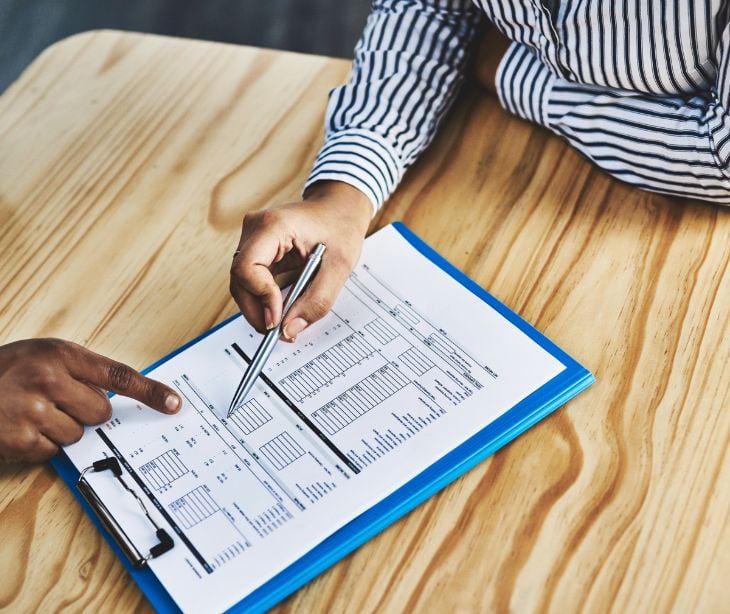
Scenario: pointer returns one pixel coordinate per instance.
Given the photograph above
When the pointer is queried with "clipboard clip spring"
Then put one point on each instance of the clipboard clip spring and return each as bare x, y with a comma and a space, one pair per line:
102, 512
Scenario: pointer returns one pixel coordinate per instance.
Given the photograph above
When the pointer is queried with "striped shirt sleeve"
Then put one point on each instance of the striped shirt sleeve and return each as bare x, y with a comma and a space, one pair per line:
408, 65
669, 144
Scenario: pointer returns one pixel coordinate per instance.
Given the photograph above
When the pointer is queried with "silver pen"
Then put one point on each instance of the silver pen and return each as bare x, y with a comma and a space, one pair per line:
269, 341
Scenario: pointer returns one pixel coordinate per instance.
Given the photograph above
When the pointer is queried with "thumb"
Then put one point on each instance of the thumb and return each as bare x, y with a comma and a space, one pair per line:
117, 377
317, 300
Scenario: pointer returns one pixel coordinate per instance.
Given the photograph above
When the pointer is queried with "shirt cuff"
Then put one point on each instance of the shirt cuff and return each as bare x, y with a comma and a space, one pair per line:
362, 159
524, 84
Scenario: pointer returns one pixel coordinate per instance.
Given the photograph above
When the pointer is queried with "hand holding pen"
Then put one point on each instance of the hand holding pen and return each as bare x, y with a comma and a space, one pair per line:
279, 240
272, 336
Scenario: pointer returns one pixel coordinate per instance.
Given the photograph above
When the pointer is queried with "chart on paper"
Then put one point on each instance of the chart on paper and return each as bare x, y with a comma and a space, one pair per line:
335, 422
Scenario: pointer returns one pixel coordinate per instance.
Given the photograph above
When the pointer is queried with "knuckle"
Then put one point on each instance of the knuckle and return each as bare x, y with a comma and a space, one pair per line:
319, 307
101, 414
120, 376
26, 441
250, 217
343, 262
49, 345
254, 220
238, 270
41, 452
55, 348
37, 411
338, 259
76, 434
106, 413
269, 217
45, 375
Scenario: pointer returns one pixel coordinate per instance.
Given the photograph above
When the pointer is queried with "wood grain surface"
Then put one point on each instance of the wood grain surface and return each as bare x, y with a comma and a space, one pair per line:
126, 164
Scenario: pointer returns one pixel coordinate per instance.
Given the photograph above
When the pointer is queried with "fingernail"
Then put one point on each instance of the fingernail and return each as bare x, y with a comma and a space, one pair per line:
172, 403
296, 326
269, 318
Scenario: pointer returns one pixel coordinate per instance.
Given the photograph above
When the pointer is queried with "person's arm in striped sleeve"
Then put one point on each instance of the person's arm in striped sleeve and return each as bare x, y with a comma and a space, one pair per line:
672, 145
408, 65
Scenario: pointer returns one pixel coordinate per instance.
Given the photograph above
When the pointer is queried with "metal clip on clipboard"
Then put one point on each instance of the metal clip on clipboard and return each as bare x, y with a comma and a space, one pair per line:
137, 559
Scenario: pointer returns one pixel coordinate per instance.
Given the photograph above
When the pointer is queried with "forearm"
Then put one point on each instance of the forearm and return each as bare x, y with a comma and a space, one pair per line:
669, 145
408, 65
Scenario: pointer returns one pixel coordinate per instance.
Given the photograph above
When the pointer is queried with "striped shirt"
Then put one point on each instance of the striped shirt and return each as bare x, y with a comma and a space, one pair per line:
640, 87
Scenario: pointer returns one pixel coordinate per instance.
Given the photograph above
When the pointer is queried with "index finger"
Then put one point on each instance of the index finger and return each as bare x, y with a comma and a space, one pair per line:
251, 277
87, 366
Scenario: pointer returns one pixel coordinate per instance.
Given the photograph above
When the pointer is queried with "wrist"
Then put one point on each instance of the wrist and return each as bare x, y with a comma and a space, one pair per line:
343, 198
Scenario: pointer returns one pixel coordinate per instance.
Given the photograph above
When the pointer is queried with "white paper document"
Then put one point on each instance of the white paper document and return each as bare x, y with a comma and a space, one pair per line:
407, 366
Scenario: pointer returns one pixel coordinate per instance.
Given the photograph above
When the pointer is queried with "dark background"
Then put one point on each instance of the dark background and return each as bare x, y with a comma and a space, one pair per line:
327, 27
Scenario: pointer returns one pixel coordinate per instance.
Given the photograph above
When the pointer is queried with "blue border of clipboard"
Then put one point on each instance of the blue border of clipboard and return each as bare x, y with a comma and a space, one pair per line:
522, 416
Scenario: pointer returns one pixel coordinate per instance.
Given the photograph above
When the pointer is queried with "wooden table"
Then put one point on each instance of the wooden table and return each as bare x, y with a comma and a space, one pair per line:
126, 164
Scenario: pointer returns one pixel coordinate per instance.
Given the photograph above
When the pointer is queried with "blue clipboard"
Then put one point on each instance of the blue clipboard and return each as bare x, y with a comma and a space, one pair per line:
522, 416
